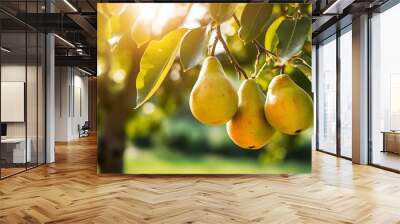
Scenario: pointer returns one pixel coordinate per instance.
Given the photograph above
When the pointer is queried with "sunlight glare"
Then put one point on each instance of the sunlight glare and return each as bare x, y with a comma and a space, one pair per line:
175, 73
101, 67
118, 76
165, 12
157, 15
197, 12
114, 40
148, 108
147, 11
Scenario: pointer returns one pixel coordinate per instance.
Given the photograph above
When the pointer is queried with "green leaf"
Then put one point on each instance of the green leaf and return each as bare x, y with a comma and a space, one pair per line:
194, 47
256, 18
221, 12
156, 63
292, 33
306, 58
307, 48
299, 78
306, 8
141, 31
265, 76
271, 39
303, 67
306, 70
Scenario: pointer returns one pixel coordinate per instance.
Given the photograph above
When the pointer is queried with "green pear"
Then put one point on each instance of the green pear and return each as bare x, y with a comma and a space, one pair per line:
288, 107
213, 99
248, 128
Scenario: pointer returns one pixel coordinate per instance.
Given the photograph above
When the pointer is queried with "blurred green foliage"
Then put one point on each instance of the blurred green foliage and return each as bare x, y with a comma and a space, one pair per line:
165, 122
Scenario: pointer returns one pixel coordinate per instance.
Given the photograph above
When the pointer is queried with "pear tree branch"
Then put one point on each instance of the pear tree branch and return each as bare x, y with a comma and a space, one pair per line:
257, 62
214, 45
232, 59
256, 43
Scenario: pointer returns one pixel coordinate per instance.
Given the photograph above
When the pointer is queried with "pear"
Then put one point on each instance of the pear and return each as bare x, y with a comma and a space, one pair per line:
213, 99
288, 107
249, 128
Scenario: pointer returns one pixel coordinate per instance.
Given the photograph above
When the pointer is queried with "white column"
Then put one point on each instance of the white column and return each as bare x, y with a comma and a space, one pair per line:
50, 98
360, 90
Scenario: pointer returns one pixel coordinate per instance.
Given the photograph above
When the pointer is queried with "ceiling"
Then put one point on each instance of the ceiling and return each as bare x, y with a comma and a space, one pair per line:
332, 15
74, 24
75, 21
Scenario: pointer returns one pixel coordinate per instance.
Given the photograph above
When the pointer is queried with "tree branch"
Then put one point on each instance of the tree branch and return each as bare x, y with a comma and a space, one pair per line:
214, 45
265, 50
232, 59
255, 42
236, 19
257, 61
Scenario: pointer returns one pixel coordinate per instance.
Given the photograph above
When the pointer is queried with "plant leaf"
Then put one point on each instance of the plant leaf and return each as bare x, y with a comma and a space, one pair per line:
194, 47
299, 78
271, 39
303, 67
141, 31
307, 48
306, 70
256, 18
306, 58
292, 33
221, 12
156, 63
306, 8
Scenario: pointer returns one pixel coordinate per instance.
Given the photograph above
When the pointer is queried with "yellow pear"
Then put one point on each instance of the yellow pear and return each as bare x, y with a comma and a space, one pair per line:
248, 128
288, 107
213, 99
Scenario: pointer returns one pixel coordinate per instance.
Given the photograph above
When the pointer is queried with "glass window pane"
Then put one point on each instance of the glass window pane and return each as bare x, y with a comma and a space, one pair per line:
327, 96
385, 114
14, 153
23, 90
41, 98
346, 94
31, 97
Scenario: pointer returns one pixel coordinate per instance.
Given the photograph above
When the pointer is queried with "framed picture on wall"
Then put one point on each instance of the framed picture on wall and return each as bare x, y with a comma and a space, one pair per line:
204, 88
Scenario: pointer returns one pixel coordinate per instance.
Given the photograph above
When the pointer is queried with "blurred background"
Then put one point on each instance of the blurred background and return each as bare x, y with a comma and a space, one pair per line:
162, 136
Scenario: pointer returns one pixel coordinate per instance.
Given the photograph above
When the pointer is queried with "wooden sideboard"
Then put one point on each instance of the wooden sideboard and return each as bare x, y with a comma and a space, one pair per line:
391, 141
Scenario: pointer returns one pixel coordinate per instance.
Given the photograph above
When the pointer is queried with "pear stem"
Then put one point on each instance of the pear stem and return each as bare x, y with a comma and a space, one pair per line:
232, 59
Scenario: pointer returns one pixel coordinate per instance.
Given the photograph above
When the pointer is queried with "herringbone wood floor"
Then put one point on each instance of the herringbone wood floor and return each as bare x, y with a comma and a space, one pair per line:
70, 191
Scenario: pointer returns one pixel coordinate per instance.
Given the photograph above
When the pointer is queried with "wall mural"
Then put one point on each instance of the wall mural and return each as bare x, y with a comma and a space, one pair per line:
204, 88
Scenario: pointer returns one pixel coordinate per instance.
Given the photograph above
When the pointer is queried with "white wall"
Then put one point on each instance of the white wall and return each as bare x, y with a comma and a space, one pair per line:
71, 102
61, 103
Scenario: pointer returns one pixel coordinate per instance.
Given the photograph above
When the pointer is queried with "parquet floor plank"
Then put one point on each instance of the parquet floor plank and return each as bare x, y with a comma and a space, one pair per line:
70, 191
